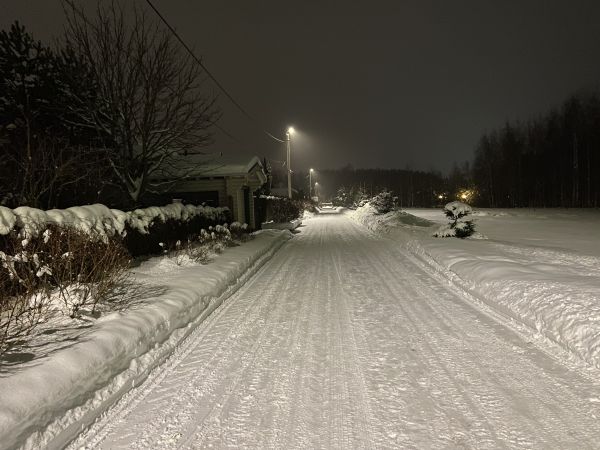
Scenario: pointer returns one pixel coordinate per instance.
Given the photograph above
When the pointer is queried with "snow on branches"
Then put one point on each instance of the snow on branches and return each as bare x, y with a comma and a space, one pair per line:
459, 226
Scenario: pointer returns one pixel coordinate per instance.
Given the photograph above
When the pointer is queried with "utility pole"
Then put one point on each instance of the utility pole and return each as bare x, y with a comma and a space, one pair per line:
289, 168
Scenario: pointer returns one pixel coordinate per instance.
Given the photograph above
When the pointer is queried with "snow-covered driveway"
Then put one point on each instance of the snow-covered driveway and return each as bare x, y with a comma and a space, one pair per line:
342, 340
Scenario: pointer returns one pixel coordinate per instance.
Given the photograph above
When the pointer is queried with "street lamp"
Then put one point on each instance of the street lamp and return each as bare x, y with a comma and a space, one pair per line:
289, 132
310, 172
316, 189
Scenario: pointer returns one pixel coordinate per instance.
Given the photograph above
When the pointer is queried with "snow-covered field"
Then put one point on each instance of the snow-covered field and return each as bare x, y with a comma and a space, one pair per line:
77, 373
538, 267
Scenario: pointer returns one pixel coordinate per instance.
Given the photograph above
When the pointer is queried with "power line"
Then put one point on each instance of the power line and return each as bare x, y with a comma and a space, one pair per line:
210, 75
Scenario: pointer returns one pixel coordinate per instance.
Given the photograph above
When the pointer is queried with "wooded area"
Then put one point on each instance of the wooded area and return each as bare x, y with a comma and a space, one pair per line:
546, 162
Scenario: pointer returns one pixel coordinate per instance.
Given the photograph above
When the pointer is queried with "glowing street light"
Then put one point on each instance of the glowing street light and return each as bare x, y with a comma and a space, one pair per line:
289, 132
466, 195
310, 172
316, 188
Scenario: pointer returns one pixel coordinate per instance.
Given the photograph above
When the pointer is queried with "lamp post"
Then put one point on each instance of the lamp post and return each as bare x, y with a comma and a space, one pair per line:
310, 172
317, 189
289, 132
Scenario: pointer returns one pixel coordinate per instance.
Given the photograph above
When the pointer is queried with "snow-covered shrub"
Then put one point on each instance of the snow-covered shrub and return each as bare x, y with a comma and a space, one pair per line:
86, 269
285, 210
67, 268
383, 202
239, 231
21, 307
198, 248
459, 225
62, 269
143, 236
308, 205
344, 197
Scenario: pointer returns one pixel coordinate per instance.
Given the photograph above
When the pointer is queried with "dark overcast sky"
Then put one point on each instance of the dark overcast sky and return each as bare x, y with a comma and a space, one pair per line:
377, 83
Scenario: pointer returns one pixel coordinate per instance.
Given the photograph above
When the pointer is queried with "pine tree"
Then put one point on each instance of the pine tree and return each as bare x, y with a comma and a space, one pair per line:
38, 157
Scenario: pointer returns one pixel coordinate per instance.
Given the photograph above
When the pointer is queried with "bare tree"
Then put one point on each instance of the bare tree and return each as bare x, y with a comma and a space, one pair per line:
149, 107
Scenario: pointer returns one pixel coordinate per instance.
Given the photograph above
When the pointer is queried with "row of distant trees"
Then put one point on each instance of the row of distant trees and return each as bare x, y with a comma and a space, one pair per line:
413, 188
547, 162
104, 115
551, 161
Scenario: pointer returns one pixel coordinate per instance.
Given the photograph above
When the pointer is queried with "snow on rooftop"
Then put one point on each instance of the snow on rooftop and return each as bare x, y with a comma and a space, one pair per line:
200, 166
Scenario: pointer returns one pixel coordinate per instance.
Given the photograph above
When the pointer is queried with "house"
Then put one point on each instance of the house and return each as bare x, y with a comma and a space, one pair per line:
225, 184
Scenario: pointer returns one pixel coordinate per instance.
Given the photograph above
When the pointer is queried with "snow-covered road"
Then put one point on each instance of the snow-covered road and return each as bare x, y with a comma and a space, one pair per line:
343, 340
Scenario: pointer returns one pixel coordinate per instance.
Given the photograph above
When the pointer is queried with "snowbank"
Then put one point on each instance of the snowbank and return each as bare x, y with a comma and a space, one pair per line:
7, 220
291, 225
383, 223
99, 219
539, 268
47, 403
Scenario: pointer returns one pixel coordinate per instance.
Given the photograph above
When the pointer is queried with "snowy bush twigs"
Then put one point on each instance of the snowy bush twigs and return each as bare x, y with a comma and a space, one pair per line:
69, 261
459, 225
198, 248
63, 269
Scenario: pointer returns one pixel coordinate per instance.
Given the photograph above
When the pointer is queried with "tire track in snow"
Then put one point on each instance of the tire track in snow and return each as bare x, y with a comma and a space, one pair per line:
356, 370
207, 354
493, 400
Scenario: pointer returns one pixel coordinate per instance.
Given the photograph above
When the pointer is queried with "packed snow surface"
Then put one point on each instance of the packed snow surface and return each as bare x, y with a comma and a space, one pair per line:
45, 401
345, 339
538, 267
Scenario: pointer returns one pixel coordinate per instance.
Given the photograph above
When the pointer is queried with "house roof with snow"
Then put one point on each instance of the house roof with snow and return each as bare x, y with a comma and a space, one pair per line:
195, 167
223, 169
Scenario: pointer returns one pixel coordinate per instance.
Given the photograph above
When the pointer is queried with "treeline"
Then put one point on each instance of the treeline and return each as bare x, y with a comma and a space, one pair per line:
552, 161
413, 188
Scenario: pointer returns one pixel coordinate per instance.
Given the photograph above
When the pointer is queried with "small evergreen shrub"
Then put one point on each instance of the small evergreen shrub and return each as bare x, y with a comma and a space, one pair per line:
459, 225
383, 202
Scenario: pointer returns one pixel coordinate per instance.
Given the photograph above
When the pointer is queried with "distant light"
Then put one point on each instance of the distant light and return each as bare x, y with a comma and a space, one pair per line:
441, 196
464, 196
291, 130
316, 183
312, 170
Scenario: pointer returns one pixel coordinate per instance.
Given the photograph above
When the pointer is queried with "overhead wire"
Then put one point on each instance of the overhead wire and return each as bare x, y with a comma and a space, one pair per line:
210, 75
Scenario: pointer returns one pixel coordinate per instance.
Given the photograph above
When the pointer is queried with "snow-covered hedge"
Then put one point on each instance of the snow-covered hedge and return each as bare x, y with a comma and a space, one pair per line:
285, 210
98, 219
142, 219
149, 231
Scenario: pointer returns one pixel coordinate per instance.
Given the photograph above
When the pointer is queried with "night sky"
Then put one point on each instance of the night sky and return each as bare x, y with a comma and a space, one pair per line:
390, 84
